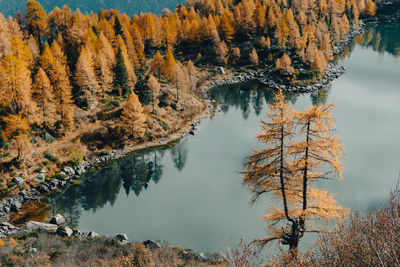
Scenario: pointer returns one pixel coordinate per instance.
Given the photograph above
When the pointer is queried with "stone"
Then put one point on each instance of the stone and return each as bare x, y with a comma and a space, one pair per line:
77, 232
15, 206
92, 234
8, 225
32, 225
18, 180
191, 132
32, 250
122, 238
221, 70
40, 178
152, 244
57, 219
64, 231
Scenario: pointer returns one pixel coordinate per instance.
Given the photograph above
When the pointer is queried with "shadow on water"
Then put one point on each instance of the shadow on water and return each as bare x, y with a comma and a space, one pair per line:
101, 186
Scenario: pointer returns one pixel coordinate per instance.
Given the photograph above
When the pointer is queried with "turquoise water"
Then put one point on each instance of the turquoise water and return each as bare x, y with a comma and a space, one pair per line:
191, 195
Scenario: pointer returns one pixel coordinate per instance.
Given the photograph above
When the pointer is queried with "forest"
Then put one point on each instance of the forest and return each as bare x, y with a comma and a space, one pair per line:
136, 79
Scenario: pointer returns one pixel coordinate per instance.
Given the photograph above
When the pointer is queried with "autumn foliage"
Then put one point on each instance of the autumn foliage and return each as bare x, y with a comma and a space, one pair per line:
300, 149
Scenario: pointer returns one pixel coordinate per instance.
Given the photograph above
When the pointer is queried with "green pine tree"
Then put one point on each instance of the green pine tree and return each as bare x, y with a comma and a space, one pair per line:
121, 80
142, 90
118, 28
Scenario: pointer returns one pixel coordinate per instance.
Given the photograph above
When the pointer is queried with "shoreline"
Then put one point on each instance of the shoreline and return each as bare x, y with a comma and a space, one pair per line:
68, 174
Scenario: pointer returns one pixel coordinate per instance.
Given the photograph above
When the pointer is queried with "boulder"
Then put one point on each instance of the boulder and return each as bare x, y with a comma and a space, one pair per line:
64, 231
92, 234
40, 178
122, 238
15, 206
32, 225
152, 244
8, 225
32, 250
18, 180
57, 219
221, 70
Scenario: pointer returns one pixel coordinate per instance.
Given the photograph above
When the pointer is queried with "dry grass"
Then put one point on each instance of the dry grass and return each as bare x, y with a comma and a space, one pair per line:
56, 251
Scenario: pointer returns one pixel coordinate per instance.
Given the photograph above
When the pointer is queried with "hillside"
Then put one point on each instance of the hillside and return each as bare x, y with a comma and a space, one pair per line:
129, 7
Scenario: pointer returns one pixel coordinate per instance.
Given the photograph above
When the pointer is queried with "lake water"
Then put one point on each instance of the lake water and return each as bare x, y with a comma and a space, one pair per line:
191, 195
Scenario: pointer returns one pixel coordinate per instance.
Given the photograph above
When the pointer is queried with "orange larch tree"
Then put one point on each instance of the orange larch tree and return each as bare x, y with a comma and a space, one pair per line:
300, 150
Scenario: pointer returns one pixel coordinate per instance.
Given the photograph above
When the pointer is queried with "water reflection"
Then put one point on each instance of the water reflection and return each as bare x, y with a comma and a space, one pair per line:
380, 38
256, 95
383, 38
102, 186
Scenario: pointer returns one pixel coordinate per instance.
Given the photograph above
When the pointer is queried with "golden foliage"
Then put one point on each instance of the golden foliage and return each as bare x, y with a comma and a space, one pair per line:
300, 150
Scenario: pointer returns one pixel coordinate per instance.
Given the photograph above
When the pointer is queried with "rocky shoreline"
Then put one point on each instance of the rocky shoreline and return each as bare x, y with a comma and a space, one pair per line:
69, 174
265, 75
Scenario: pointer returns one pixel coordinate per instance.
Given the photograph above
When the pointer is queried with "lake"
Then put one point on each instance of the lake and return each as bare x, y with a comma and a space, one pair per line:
191, 195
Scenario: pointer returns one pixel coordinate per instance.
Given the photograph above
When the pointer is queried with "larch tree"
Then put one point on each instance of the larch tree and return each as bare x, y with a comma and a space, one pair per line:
128, 64
21, 51
85, 78
370, 8
170, 65
221, 51
16, 131
15, 86
43, 96
300, 150
36, 18
236, 54
192, 72
157, 65
105, 64
132, 117
154, 88
253, 57
225, 29
284, 64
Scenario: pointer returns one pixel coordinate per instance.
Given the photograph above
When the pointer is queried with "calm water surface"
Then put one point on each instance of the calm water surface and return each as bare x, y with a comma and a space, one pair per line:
191, 195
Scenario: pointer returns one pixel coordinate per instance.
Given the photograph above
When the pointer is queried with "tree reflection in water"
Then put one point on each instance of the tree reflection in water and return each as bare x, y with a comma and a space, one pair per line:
102, 186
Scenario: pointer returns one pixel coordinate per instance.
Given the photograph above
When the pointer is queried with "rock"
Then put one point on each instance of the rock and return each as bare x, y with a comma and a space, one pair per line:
40, 178
77, 232
57, 219
18, 180
32, 250
6, 209
15, 206
152, 244
92, 234
122, 238
69, 171
43, 189
32, 225
189, 254
221, 70
191, 132
8, 225
64, 231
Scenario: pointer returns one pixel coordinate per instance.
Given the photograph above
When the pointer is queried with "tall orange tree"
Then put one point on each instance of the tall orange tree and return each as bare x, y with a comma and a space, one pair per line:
300, 150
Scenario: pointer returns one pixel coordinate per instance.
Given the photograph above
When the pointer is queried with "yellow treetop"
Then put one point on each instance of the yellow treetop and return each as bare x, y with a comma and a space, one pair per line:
132, 117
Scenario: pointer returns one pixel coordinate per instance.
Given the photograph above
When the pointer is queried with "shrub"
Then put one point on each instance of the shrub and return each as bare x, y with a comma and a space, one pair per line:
76, 157
51, 157
163, 124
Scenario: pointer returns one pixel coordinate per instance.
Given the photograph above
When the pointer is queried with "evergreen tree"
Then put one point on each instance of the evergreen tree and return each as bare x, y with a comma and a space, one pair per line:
142, 90
121, 80
118, 27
